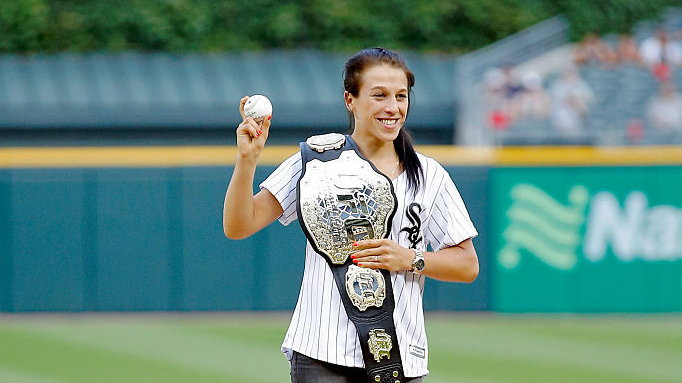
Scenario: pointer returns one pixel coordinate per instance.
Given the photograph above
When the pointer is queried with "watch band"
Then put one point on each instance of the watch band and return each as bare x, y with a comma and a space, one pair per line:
418, 262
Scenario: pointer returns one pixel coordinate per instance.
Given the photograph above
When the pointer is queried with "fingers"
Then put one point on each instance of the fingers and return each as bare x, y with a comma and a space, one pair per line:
367, 243
374, 257
374, 261
249, 127
241, 106
368, 253
370, 247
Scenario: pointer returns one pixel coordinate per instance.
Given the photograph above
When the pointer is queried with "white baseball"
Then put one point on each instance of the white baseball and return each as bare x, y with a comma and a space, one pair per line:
257, 107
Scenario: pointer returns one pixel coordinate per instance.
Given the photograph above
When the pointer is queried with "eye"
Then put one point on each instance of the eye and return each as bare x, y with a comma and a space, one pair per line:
379, 94
401, 96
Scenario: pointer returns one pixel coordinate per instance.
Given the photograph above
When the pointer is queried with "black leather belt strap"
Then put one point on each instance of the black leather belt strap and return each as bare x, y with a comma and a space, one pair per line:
387, 369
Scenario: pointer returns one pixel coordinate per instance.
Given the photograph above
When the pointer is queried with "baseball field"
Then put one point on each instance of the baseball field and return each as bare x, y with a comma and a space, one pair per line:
244, 348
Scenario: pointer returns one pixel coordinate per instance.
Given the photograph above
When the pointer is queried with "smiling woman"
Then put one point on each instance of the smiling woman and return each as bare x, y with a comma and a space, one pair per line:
379, 110
370, 205
378, 84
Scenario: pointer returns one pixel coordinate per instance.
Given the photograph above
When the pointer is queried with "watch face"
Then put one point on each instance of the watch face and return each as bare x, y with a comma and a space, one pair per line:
419, 264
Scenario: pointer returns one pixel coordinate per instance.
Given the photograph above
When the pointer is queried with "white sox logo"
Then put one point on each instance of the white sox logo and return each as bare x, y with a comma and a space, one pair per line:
413, 231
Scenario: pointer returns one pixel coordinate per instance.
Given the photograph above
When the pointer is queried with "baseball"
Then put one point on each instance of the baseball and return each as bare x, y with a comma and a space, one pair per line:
257, 107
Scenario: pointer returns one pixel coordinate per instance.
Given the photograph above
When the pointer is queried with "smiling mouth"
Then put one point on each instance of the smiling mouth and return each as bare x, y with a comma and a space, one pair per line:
388, 121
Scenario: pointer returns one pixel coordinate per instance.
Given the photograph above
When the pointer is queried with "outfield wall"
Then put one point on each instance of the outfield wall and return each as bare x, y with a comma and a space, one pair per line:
139, 229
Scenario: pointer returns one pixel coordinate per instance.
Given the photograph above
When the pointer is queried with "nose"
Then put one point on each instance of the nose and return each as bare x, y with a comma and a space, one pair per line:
391, 106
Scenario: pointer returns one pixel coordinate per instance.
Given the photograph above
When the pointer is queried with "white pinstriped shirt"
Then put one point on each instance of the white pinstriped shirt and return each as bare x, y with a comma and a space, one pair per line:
320, 327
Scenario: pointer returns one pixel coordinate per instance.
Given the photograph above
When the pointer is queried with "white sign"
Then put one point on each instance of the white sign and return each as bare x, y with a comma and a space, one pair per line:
633, 231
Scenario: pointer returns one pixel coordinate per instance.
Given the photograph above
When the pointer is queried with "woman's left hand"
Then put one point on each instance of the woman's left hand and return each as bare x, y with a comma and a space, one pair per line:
383, 254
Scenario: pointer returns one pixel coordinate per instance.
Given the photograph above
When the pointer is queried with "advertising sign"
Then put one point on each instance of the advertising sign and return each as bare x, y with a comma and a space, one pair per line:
603, 239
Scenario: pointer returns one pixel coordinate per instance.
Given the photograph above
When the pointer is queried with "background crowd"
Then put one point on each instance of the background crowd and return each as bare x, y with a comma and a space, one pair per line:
581, 100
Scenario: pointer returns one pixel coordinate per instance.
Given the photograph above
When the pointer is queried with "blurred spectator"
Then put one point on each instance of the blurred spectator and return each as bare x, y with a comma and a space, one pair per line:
627, 50
661, 54
593, 50
533, 102
493, 87
571, 98
501, 89
512, 85
664, 113
494, 92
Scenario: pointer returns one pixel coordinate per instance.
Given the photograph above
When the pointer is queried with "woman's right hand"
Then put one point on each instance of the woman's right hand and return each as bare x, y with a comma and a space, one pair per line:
251, 135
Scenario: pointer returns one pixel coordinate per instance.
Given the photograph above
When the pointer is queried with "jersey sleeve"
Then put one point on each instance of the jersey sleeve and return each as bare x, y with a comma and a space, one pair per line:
282, 184
450, 223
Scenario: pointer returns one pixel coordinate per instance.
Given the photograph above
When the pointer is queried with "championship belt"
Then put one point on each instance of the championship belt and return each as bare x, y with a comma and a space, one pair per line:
343, 198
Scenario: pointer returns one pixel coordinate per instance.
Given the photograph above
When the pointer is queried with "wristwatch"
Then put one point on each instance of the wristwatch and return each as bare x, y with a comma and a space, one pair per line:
418, 262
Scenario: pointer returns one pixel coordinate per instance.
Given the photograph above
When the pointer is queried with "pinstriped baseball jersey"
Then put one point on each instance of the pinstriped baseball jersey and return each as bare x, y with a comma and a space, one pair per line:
435, 217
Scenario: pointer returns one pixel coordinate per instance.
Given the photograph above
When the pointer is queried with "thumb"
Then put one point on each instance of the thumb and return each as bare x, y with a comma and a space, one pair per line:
241, 106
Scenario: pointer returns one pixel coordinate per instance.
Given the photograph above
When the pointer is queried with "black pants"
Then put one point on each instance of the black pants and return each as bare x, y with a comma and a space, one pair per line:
309, 370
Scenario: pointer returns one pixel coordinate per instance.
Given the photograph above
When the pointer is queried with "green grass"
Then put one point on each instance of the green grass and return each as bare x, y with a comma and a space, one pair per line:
244, 348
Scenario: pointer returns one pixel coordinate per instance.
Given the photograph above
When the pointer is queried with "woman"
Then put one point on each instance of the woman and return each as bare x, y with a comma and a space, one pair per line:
322, 343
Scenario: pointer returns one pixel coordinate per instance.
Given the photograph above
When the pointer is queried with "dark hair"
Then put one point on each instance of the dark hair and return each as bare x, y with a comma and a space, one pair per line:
352, 74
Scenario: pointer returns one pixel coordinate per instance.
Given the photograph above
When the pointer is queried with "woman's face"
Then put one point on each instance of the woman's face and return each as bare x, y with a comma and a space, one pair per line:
381, 105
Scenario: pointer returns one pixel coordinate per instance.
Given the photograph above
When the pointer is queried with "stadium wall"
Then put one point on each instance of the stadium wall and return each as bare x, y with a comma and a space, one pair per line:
139, 229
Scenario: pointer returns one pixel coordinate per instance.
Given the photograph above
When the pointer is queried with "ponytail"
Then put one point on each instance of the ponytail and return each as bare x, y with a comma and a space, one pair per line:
409, 159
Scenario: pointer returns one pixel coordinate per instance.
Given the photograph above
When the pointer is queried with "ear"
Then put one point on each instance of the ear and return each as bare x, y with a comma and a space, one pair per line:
348, 99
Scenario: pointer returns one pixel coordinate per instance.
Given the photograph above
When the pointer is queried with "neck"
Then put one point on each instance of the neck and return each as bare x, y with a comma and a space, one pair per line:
380, 153
374, 149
